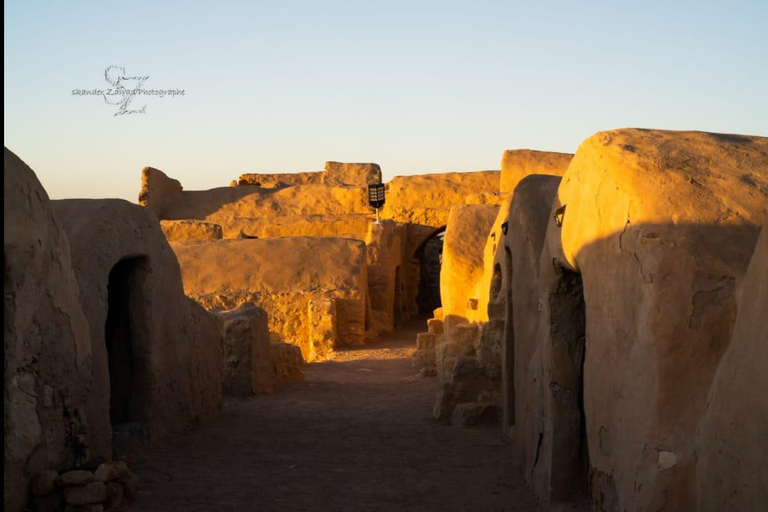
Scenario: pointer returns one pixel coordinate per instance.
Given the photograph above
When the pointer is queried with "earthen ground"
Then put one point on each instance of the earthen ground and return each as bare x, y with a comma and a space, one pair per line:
356, 435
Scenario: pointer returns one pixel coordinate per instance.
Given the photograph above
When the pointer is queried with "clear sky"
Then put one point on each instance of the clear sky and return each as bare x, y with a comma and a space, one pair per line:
416, 86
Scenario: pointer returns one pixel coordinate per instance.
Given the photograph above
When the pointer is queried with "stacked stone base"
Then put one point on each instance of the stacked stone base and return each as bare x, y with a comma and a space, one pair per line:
469, 376
425, 356
468, 396
110, 487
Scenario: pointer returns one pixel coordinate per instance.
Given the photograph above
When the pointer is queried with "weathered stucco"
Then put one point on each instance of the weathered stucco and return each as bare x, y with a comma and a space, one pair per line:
661, 226
282, 276
335, 174
427, 199
386, 281
732, 447
516, 164
47, 355
171, 344
522, 367
462, 375
175, 230
249, 364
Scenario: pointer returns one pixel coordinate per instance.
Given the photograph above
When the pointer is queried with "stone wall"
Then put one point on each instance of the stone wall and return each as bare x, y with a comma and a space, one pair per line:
175, 230
108, 486
335, 174
282, 276
158, 191
427, 199
312, 204
386, 275
250, 366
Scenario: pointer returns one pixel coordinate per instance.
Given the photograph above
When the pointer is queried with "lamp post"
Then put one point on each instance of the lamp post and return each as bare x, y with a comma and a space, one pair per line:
376, 197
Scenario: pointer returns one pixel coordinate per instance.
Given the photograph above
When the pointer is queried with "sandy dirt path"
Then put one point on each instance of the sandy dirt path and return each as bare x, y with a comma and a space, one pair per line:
356, 435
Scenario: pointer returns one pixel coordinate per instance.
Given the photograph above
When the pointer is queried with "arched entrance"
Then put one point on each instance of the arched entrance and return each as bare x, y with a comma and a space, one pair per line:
430, 255
125, 336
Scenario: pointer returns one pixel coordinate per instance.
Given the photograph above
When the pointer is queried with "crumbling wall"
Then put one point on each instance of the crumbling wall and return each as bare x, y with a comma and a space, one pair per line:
731, 450
462, 269
661, 226
491, 288
427, 199
249, 364
47, 351
282, 276
175, 230
158, 192
174, 345
384, 246
459, 371
335, 174
330, 203
311, 209
423, 203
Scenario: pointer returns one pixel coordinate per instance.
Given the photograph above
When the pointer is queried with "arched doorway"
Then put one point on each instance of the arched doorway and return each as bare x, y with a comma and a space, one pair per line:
125, 335
430, 255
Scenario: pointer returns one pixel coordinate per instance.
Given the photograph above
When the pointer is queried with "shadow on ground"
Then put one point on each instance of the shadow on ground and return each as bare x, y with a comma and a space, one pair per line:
356, 435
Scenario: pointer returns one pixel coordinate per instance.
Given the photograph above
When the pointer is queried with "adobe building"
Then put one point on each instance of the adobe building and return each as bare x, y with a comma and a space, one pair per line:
48, 363
623, 307
152, 346
374, 275
103, 350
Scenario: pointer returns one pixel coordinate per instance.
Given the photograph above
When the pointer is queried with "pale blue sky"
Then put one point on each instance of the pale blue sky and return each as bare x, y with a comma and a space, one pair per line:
415, 86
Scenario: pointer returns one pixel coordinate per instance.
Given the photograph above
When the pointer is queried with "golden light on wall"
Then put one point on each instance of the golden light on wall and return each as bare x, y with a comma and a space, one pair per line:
559, 215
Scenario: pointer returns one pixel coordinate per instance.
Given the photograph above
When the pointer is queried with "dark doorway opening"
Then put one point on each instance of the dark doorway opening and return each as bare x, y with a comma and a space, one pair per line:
570, 461
430, 256
508, 352
124, 333
399, 313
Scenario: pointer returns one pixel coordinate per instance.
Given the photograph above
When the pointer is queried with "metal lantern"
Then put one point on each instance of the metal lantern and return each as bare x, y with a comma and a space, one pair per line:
559, 215
376, 197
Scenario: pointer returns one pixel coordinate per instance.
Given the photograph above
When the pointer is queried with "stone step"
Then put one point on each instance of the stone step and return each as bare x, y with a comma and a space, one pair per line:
435, 326
427, 340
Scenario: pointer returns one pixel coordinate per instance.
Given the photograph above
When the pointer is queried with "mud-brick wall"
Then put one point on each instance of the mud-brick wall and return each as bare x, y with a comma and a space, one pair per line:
288, 277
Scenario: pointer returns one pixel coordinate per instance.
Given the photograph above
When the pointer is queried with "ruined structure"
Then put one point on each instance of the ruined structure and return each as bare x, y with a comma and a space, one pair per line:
400, 265
613, 320
335, 174
301, 282
252, 363
460, 277
476, 290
